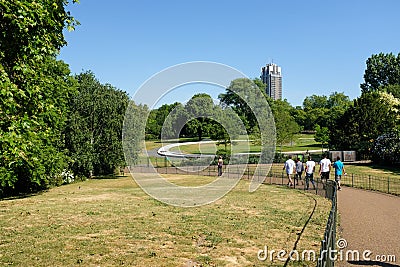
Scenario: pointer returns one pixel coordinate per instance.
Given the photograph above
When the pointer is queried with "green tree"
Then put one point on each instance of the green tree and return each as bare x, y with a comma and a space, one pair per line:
300, 116
393, 89
382, 70
338, 103
156, 120
371, 115
316, 109
133, 136
262, 86
315, 101
199, 109
321, 135
34, 92
93, 133
285, 124
338, 100
386, 148
225, 126
322, 110
238, 93
220, 134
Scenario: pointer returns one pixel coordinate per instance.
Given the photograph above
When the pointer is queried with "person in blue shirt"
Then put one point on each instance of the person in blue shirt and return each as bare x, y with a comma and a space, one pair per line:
339, 171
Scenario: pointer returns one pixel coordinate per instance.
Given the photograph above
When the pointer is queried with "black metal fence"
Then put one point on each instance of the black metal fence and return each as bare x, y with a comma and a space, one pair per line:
388, 184
328, 244
245, 171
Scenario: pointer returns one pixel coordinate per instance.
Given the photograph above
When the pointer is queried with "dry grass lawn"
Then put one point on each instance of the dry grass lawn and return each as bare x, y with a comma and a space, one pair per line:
112, 222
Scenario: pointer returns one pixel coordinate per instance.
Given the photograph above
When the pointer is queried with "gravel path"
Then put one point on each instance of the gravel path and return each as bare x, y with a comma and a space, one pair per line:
369, 221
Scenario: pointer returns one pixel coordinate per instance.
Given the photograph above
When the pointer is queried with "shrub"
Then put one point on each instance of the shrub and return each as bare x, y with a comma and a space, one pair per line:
386, 149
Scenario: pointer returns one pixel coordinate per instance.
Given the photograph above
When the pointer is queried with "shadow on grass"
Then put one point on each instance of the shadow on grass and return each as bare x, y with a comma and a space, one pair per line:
181, 140
109, 177
393, 169
316, 146
23, 195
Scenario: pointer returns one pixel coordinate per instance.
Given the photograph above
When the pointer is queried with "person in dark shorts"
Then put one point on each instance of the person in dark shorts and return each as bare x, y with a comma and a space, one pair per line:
325, 167
299, 171
220, 164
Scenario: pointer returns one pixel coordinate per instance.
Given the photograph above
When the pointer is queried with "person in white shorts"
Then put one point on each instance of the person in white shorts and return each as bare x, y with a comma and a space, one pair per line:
290, 168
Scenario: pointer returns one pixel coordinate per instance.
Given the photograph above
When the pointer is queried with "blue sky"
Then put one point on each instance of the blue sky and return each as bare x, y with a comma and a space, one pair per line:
321, 46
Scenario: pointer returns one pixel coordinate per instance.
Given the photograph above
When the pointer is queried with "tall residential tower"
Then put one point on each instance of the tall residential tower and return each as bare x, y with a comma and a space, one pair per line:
271, 75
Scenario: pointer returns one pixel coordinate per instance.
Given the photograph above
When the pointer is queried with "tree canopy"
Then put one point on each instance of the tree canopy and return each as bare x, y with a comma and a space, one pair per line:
382, 70
94, 129
285, 124
371, 115
238, 94
34, 90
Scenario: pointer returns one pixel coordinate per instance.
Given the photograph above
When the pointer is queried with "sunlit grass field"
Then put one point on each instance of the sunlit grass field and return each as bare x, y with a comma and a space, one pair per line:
301, 142
112, 222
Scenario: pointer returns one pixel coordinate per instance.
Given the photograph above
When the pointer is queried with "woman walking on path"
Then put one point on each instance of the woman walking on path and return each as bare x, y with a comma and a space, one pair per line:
220, 163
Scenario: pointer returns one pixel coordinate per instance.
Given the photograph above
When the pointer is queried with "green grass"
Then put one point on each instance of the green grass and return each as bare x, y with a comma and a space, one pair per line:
153, 145
301, 142
374, 170
112, 222
211, 148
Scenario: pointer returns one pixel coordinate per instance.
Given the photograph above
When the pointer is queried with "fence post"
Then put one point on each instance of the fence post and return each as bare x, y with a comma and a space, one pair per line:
352, 180
388, 185
270, 177
248, 173
369, 182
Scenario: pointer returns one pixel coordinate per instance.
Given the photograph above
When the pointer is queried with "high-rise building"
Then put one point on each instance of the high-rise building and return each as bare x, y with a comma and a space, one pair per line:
271, 75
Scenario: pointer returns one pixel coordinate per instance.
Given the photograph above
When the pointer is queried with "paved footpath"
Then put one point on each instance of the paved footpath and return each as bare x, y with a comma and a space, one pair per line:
369, 221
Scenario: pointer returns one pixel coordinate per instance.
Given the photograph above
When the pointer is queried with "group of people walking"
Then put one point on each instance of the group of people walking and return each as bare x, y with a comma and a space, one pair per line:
295, 170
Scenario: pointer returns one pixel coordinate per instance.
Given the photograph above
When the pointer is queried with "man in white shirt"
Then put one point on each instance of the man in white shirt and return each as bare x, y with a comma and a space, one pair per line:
290, 168
325, 168
310, 167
